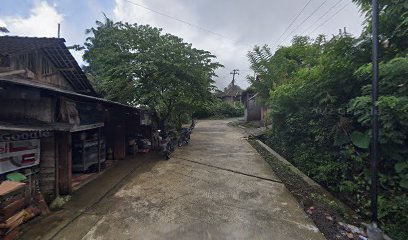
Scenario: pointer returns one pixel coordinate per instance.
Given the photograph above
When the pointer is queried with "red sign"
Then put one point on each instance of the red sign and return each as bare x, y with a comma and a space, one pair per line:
19, 154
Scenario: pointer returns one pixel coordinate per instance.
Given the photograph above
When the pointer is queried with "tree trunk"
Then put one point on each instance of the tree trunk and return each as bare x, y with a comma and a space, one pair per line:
160, 122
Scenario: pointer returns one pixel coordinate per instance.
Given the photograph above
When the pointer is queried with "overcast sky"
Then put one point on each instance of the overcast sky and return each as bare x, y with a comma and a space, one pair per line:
227, 28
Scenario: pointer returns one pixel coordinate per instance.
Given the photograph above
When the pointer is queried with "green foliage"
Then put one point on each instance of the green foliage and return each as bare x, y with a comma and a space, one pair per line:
220, 109
274, 69
361, 140
393, 106
393, 25
319, 93
401, 168
227, 110
139, 65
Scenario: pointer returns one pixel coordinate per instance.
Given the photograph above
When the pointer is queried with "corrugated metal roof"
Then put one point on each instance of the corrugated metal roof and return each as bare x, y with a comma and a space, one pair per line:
50, 89
34, 126
56, 51
12, 45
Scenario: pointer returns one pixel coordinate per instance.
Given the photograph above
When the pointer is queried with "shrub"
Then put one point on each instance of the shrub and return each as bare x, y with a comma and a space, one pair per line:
219, 109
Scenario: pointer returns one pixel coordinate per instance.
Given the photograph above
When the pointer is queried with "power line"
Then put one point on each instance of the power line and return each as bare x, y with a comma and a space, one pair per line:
294, 30
293, 21
179, 20
308, 17
233, 73
330, 18
324, 15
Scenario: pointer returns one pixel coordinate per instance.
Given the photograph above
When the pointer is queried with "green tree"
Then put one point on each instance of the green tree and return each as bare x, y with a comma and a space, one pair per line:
319, 95
393, 26
275, 69
140, 65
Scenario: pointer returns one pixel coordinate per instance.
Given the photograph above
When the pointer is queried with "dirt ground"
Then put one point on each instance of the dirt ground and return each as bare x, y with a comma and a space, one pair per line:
217, 187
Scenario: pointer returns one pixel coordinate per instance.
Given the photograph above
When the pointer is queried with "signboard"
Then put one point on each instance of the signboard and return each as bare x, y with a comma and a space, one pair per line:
19, 154
18, 136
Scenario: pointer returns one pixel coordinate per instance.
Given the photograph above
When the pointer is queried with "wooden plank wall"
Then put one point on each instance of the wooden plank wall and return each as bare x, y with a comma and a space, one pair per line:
42, 109
48, 168
64, 146
54, 78
119, 152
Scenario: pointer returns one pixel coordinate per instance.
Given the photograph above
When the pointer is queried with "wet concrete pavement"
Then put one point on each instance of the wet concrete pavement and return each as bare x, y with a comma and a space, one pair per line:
217, 187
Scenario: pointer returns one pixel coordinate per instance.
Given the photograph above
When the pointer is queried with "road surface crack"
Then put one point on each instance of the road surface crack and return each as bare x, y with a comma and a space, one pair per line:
230, 170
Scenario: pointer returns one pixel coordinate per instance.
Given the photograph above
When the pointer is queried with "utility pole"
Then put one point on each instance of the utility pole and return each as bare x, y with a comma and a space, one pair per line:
59, 30
233, 73
374, 115
373, 231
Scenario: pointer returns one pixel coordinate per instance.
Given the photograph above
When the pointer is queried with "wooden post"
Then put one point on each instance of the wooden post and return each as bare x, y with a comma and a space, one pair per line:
65, 162
83, 158
119, 143
56, 155
99, 150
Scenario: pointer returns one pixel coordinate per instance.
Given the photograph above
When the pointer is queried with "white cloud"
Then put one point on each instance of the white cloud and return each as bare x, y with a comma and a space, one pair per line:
41, 22
3, 23
251, 22
127, 12
228, 52
123, 11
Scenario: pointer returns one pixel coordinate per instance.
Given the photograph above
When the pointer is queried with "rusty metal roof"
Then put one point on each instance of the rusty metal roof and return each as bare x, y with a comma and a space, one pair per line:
63, 92
56, 51
12, 45
34, 126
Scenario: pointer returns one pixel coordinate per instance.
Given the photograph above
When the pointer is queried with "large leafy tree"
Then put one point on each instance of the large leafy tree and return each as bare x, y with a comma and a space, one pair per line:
319, 95
393, 26
140, 65
275, 69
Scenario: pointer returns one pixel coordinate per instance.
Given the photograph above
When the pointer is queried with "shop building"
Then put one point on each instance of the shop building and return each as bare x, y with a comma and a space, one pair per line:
53, 125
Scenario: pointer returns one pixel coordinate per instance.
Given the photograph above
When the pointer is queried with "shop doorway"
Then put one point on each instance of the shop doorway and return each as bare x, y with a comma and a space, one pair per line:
88, 156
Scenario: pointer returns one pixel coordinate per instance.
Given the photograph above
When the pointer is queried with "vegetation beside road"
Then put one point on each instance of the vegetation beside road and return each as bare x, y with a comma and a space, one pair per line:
218, 109
325, 211
142, 66
319, 94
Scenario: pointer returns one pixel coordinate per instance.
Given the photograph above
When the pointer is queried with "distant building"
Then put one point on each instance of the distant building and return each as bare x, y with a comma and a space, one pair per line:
254, 111
231, 94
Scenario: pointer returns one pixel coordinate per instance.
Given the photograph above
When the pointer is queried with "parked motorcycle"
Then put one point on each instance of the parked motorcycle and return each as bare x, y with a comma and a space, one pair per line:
184, 136
193, 123
167, 145
169, 142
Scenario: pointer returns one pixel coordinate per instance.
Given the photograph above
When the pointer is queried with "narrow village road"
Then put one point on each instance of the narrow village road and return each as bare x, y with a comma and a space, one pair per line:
217, 187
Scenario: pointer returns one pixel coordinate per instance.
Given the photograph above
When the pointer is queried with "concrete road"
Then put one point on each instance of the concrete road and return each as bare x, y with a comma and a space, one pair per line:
217, 187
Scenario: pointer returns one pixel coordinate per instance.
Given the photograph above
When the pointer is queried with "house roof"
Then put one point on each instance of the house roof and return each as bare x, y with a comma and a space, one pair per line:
67, 93
56, 51
34, 126
231, 91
